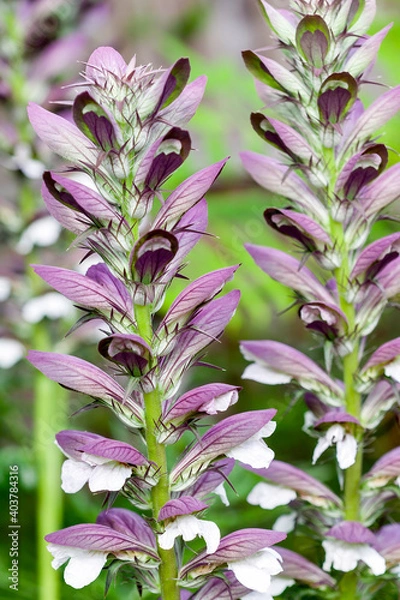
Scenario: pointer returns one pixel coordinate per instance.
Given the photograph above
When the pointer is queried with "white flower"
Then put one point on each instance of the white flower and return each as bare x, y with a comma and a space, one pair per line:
221, 492
43, 232
256, 372
189, 527
285, 523
100, 474
309, 421
22, 160
344, 556
277, 587
254, 451
51, 305
254, 572
5, 288
392, 369
11, 351
270, 496
84, 566
396, 570
346, 446
221, 403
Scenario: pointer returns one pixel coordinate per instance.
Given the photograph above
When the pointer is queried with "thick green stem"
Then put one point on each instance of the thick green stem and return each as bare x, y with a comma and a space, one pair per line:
157, 453
49, 418
348, 586
352, 476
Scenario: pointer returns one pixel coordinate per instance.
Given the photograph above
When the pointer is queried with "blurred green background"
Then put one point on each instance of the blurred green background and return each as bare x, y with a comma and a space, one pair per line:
211, 33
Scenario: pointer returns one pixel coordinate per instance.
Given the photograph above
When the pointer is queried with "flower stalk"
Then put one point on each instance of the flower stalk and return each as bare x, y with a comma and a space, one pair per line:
332, 175
125, 140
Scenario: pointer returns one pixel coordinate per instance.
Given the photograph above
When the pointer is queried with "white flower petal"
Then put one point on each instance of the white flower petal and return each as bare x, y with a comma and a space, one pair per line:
269, 496
267, 430
221, 403
166, 540
93, 460
344, 556
11, 351
255, 571
189, 527
251, 577
309, 420
373, 560
221, 492
285, 523
393, 369
60, 554
210, 532
346, 451
321, 446
110, 476
335, 434
74, 475
279, 585
396, 570
340, 555
257, 596
254, 453
84, 567
264, 375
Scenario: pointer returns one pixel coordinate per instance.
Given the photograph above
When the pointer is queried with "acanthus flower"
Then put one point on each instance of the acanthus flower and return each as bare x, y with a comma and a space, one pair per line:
340, 434
247, 553
86, 547
102, 463
180, 520
348, 543
332, 174
239, 437
125, 141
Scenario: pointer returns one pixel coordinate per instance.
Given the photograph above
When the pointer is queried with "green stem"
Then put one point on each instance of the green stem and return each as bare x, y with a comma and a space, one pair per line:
49, 418
352, 477
157, 453
348, 586
353, 474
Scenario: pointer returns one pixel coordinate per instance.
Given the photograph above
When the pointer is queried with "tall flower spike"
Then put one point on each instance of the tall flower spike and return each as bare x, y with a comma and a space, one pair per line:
331, 171
125, 139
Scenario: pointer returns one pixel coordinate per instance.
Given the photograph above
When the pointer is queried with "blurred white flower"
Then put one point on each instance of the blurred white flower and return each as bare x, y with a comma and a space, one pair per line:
11, 351
51, 305
5, 288
285, 523
42, 232
269, 496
